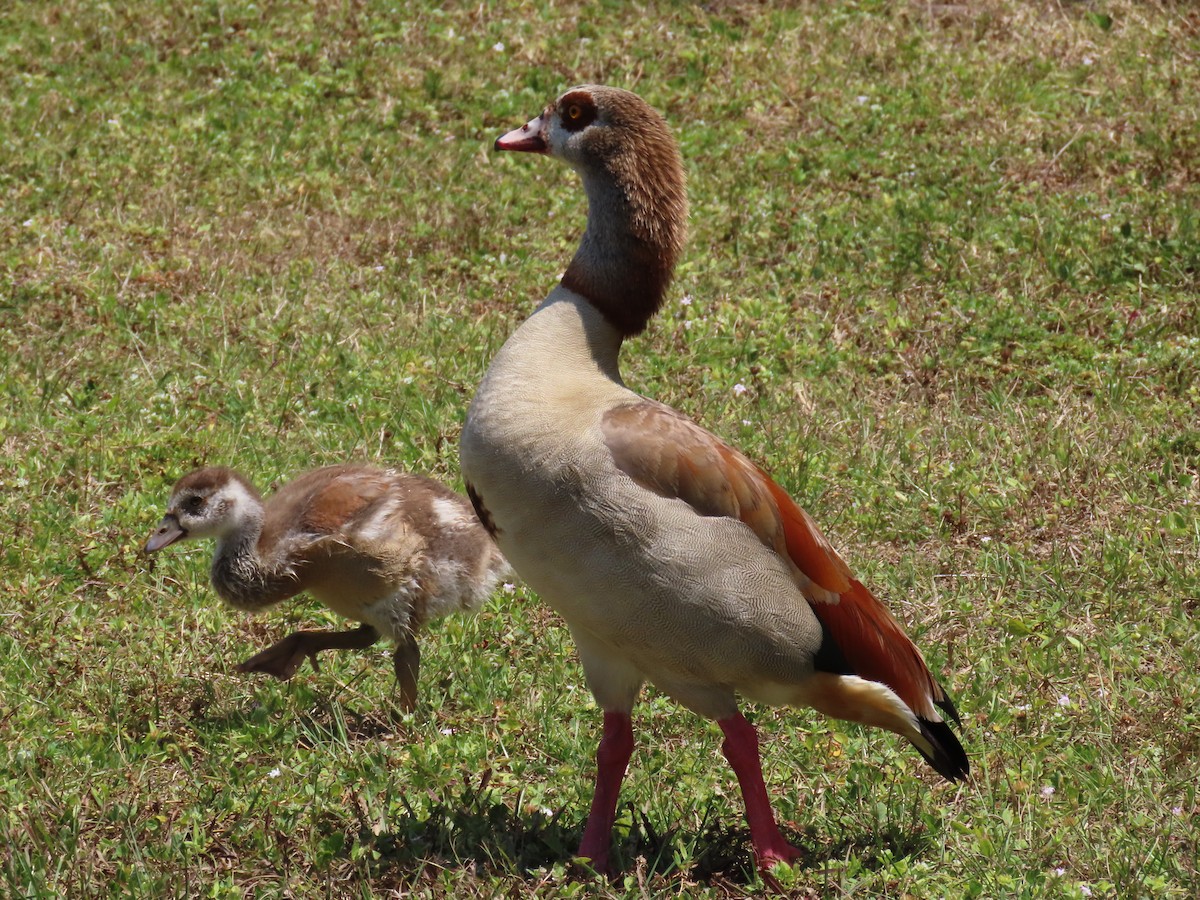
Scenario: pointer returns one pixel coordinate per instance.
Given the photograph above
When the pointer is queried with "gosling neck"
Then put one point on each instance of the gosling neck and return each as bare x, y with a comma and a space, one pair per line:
240, 574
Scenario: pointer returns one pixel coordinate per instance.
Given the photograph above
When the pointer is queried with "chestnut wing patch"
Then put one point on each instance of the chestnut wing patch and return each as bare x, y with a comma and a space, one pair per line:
322, 502
667, 453
341, 502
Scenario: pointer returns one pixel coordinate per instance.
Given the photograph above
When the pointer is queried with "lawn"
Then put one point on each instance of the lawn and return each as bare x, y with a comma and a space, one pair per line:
943, 283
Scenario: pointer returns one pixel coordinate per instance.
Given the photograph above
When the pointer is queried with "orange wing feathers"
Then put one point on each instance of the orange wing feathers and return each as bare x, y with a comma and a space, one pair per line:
322, 502
669, 454
808, 548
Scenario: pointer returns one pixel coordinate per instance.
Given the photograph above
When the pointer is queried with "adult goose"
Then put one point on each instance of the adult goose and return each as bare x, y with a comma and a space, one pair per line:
672, 557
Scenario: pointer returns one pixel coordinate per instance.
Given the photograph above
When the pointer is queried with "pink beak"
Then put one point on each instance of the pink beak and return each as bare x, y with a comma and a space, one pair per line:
529, 138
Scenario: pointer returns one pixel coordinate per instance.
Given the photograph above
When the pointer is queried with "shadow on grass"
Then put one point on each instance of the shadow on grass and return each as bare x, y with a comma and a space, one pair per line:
475, 829
471, 826
323, 723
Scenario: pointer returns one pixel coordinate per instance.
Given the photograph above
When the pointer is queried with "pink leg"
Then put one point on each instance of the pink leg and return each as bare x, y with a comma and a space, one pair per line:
741, 749
612, 757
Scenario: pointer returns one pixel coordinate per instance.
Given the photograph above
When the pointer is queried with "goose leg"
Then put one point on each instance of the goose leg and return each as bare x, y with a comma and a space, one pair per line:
741, 749
407, 662
612, 758
284, 658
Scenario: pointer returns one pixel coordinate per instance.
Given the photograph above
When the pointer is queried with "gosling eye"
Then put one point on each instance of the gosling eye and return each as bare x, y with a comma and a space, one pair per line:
193, 504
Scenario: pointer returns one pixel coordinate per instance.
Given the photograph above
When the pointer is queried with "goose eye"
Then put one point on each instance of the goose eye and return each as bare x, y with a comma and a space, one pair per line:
577, 113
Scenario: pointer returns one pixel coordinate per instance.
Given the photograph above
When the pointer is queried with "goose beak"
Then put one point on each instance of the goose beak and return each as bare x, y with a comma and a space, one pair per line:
167, 533
529, 138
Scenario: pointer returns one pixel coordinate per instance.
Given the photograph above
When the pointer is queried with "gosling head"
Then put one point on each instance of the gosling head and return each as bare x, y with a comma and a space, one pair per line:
212, 502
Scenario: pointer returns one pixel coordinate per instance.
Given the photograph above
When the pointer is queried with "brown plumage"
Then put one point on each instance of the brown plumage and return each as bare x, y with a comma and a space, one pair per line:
672, 557
685, 461
382, 547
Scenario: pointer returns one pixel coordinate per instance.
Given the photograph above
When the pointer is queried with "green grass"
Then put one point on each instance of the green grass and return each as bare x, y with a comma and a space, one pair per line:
951, 251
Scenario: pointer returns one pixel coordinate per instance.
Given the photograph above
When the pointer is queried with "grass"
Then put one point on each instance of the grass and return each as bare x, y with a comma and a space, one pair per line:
951, 252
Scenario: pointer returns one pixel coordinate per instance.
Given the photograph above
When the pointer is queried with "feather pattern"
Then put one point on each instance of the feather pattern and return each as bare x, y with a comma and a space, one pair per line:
667, 453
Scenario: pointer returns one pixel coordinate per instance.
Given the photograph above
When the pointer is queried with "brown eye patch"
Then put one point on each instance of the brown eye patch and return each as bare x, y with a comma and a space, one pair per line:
577, 110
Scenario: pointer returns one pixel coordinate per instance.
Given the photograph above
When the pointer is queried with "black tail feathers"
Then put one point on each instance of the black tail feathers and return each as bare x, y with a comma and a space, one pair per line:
947, 706
948, 757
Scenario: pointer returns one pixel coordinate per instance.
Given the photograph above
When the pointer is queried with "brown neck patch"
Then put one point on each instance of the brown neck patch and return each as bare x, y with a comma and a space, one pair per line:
630, 298
637, 210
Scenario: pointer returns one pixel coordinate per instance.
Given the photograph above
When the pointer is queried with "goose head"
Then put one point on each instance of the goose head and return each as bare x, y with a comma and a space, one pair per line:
632, 173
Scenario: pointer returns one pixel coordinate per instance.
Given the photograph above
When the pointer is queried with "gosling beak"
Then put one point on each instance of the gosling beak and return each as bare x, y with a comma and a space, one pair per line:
167, 533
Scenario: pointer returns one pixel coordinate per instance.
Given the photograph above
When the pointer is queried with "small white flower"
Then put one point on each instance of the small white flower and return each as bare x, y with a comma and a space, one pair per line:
1085, 890
379, 268
1106, 216
685, 300
861, 99
739, 389
447, 731
498, 46
28, 223
687, 324
1047, 792
1060, 871
1177, 810
274, 773
985, 540
1064, 700
746, 421
1087, 60
508, 587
